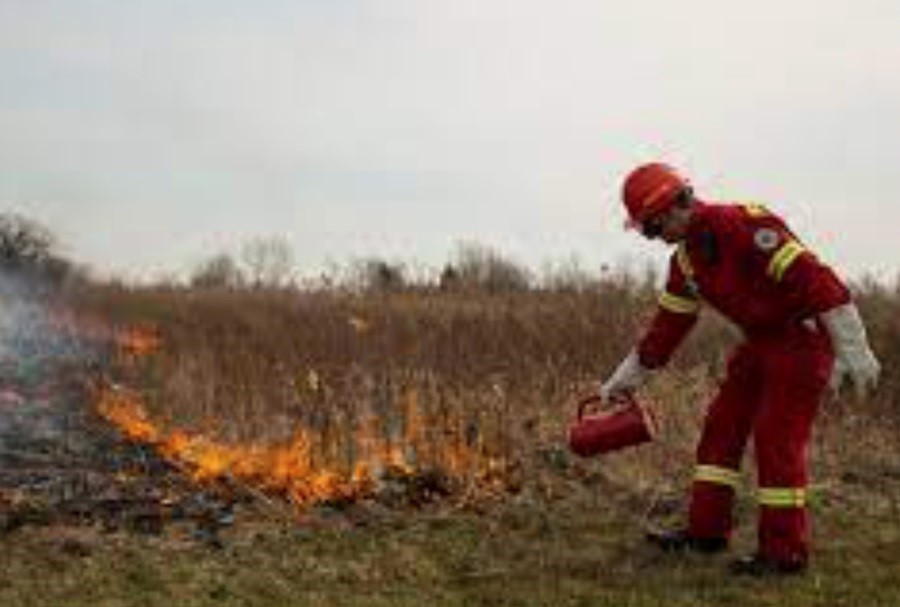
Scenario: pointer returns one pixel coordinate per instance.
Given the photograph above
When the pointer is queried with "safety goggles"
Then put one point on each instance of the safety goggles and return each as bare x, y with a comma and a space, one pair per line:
653, 226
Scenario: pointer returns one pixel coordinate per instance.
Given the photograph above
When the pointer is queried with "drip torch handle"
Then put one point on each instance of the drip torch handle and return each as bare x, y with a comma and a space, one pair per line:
626, 400
588, 400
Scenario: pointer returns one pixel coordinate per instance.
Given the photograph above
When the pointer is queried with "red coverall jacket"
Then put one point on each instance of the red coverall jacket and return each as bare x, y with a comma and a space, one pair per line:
742, 260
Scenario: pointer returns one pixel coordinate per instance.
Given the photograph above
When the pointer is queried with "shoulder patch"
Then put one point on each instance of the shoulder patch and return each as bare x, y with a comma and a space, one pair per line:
766, 239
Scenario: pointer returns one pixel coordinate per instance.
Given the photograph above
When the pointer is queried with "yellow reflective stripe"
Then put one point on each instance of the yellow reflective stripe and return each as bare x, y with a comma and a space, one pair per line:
754, 209
783, 258
782, 497
679, 305
684, 262
717, 475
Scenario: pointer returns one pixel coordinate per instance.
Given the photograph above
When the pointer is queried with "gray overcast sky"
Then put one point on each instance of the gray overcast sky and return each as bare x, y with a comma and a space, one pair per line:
150, 133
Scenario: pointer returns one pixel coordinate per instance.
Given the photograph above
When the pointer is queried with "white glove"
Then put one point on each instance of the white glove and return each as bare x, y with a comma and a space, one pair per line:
853, 356
628, 377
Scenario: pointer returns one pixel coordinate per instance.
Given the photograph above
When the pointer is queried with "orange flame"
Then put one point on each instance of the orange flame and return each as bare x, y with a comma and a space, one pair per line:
285, 469
291, 469
138, 341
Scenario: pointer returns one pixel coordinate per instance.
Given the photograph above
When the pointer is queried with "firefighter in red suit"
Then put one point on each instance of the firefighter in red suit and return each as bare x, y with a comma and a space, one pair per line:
801, 332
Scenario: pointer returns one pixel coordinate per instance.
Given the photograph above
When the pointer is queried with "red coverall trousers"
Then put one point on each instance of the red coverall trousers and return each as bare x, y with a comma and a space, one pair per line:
772, 389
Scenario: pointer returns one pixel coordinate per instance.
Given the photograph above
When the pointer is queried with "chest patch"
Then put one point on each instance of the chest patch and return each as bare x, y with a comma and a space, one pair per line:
766, 239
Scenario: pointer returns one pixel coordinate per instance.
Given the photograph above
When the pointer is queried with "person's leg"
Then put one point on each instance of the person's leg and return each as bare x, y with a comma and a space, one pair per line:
796, 376
729, 420
728, 423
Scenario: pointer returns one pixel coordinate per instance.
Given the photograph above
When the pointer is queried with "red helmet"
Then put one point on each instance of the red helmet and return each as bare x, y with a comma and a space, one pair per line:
651, 189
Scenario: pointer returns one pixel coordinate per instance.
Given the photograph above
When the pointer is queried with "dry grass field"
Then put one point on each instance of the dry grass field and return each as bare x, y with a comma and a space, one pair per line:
408, 448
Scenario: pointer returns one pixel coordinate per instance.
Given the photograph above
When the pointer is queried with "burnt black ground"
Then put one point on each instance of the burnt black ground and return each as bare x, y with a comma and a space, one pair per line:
61, 464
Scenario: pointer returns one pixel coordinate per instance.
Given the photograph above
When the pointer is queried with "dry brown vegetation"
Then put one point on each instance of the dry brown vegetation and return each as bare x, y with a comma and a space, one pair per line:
485, 373
492, 371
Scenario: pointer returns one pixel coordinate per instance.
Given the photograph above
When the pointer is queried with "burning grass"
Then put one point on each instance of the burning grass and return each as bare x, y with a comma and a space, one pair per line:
311, 467
292, 469
320, 396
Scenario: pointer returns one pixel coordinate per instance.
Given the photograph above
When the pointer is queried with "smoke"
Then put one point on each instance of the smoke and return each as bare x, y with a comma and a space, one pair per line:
41, 358
32, 330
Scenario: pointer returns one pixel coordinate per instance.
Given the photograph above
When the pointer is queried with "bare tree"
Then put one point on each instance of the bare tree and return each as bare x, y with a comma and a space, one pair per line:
567, 275
219, 271
480, 267
24, 243
269, 261
380, 275
28, 252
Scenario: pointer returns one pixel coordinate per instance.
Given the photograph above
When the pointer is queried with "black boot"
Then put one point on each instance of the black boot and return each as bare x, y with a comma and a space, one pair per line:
757, 565
679, 540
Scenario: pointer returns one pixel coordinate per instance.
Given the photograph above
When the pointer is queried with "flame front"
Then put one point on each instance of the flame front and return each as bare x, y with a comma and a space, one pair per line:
138, 342
290, 469
283, 469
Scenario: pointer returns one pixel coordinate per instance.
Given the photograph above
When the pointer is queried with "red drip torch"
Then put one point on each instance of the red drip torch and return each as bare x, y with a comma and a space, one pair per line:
624, 424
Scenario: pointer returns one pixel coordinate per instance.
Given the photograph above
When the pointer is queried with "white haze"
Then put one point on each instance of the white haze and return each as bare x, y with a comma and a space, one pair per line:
152, 133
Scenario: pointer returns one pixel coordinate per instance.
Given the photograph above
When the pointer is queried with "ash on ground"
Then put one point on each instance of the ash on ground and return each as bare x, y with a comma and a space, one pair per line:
60, 464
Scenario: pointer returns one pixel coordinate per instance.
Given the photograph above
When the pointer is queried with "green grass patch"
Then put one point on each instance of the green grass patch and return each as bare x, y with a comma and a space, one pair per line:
562, 553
